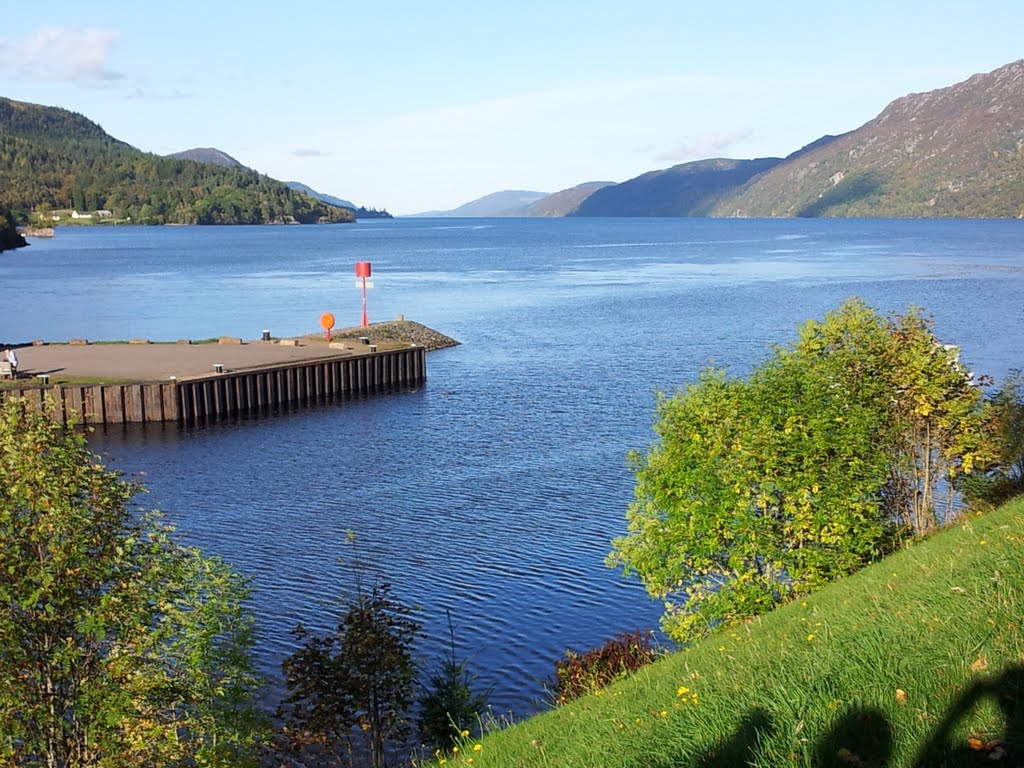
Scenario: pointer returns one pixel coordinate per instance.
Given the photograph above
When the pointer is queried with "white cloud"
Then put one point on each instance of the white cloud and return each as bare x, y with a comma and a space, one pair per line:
310, 153
60, 53
713, 144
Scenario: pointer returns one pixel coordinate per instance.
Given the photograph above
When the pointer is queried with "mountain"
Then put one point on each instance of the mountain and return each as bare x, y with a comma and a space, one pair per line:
215, 156
208, 155
510, 202
300, 187
565, 202
52, 159
956, 151
361, 212
690, 189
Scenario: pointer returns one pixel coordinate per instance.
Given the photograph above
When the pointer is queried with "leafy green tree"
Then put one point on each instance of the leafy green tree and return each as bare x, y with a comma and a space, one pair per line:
936, 428
118, 647
350, 692
763, 489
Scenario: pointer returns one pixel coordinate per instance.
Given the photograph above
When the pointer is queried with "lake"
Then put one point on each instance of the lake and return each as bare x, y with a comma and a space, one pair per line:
494, 490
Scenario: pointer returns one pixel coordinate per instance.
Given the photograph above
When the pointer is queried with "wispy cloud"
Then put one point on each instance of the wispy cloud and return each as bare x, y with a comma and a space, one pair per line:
147, 94
711, 144
310, 153
68, 54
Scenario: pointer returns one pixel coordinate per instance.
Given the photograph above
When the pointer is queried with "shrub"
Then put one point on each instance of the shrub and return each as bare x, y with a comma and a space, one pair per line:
1004, 477
766, 488
580, 674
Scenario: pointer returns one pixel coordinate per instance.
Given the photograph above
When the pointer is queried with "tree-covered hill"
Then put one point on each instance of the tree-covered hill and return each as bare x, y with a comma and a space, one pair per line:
53, 159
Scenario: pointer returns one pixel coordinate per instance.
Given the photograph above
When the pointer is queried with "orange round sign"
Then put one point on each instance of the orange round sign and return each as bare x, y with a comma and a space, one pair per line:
327, 321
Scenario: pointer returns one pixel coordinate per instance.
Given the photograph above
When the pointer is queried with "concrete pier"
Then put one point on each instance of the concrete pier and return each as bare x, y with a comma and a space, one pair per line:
232, 392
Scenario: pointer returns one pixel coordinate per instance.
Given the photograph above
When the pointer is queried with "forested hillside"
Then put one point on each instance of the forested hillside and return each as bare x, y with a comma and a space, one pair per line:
53, 159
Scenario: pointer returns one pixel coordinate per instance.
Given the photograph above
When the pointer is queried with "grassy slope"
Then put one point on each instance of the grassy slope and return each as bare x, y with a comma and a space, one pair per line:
871, 665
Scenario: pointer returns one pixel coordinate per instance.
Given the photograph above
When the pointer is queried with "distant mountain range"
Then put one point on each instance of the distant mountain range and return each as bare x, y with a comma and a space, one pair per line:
511, 202
952, 152
955, 151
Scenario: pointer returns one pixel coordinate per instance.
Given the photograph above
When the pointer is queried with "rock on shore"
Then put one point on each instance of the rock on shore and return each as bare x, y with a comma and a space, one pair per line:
398, 330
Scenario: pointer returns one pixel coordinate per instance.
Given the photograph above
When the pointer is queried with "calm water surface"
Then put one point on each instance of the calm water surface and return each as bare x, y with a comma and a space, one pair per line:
494, 490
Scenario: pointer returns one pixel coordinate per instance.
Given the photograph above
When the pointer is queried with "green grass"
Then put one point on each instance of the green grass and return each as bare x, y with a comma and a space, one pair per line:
865, 672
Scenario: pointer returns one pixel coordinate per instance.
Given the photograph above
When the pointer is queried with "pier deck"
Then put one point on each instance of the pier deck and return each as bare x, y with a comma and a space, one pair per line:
183, 382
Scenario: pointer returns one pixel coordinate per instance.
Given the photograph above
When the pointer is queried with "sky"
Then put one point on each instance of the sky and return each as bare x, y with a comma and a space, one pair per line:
414, 106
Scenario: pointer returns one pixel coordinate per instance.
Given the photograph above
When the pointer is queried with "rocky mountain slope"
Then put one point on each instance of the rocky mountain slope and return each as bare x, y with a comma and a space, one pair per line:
952, 152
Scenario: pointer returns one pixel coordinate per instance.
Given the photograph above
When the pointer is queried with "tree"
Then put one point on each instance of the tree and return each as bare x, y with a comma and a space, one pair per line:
350, 692
118, 647
763, 489
450, 710
9, 235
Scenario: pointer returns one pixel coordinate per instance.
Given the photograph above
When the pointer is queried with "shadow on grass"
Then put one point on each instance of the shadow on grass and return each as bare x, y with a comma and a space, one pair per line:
1006, 691
738, 751
863, 737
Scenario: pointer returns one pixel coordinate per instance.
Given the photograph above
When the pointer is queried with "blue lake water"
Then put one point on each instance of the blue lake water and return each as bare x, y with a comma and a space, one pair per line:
495, 489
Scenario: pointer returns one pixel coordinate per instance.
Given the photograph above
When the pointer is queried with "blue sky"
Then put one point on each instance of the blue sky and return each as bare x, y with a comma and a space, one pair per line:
415, 106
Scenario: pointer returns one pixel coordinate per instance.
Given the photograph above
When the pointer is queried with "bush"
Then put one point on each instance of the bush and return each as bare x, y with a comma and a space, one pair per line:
766, 488
578, 675
1004, 477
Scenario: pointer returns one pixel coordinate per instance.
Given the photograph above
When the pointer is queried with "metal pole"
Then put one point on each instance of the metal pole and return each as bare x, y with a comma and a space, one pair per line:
365, 321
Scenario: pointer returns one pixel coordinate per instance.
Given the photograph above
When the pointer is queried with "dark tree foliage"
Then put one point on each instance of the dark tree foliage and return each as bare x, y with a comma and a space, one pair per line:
350, 692
54, 159
9, 235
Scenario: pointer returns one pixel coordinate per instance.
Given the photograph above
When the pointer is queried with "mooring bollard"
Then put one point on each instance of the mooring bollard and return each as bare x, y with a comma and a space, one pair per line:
218, 368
